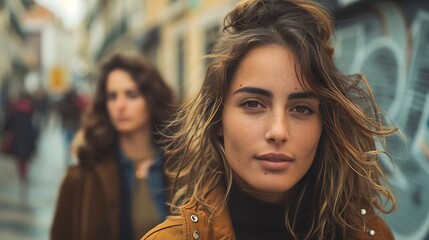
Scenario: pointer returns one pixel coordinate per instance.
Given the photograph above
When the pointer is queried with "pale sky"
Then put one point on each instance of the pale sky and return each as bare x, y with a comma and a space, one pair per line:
70, 12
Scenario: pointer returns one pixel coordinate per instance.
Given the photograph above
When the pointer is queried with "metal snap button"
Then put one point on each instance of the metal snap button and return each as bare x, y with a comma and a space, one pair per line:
372, 233
194, 218
363, 211
196, 235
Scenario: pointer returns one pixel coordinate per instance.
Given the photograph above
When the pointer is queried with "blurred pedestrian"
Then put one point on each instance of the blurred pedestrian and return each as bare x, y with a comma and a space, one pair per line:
70, 111
41, 104
278, 144
19, 123
118, 188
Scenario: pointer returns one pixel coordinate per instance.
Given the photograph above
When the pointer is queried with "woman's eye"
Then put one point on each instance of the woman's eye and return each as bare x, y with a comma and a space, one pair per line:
133, 94
252, 105
111, 96
302, 109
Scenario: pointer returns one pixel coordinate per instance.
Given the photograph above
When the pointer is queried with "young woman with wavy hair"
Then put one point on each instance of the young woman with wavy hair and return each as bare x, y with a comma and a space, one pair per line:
278, 143
118, 188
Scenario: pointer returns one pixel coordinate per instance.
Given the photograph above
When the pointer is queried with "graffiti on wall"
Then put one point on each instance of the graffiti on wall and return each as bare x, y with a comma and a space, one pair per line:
389, 43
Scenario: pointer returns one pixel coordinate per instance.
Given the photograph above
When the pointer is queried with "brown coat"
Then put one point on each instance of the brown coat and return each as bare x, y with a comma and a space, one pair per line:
194, 224
88, 204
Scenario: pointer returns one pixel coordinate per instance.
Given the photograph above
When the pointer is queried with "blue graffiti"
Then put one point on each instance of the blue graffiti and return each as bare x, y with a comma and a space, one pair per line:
391, 48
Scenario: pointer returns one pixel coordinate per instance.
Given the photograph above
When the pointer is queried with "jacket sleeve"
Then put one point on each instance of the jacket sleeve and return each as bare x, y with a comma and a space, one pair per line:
65, 225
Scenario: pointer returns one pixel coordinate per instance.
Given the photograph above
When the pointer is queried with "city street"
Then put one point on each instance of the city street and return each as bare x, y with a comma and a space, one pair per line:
26, 211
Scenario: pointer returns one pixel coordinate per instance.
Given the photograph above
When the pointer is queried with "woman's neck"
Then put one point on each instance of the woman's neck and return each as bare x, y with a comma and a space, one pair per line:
137, 146
265, 196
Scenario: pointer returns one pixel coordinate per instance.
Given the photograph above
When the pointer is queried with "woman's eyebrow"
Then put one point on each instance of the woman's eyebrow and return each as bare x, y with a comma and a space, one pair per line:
301, 95
269, 94
255, 90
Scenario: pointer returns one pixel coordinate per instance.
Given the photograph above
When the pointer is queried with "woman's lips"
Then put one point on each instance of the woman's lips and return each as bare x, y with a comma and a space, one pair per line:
122, 119
276, 157
274, 161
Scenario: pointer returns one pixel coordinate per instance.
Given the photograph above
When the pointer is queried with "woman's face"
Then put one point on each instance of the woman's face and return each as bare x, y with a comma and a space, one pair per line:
270, 126
128, 109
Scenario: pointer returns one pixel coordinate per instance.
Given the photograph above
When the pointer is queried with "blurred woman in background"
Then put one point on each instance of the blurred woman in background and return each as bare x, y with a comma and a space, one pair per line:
117, 190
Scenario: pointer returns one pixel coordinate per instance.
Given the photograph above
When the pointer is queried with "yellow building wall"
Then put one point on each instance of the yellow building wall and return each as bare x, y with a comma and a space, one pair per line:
191, 22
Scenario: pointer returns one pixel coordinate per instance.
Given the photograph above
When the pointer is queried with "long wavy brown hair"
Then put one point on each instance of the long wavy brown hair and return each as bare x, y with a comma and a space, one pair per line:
346, 174
99, 132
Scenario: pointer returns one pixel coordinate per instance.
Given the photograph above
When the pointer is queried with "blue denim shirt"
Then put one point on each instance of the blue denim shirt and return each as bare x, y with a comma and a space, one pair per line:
127, 180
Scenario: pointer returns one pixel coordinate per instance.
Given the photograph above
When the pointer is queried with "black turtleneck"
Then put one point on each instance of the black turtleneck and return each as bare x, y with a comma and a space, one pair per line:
255, 219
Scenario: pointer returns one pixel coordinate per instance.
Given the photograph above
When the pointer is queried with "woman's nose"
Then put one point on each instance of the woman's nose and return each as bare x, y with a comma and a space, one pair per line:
120, 102
277, 131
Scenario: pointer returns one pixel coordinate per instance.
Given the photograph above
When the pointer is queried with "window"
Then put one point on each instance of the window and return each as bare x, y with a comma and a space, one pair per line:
212, 33
181, 64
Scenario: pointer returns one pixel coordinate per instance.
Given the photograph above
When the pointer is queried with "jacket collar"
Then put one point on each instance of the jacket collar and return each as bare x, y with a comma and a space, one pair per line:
201, 223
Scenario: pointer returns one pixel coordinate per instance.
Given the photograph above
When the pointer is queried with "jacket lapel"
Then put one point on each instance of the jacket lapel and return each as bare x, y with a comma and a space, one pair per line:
107, 173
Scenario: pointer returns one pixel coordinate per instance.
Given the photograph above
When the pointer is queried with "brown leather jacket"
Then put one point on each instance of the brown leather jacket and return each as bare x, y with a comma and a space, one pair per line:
194, 223
88, 204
